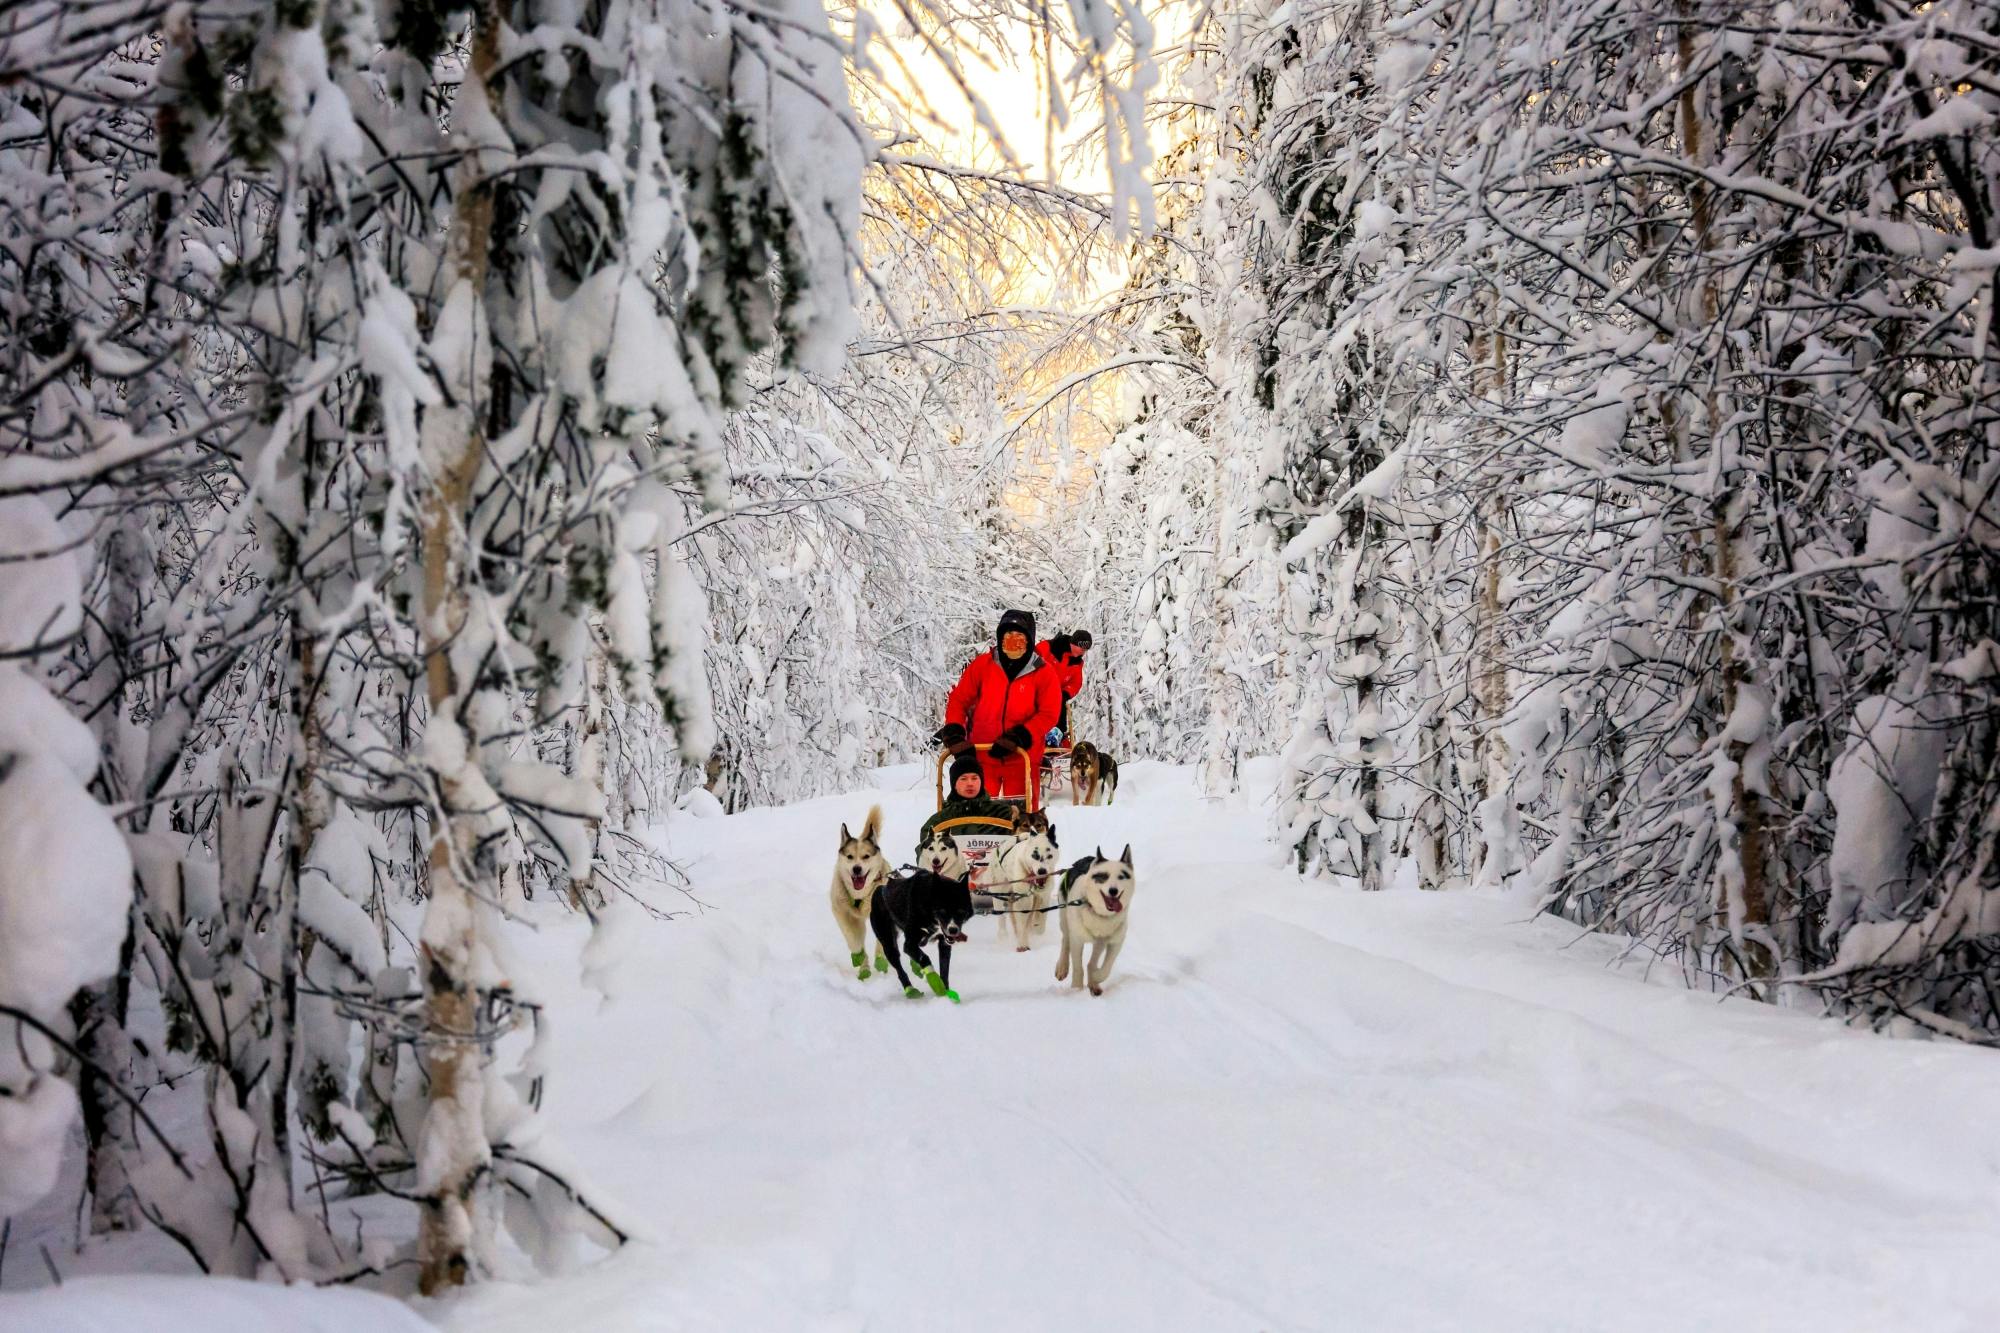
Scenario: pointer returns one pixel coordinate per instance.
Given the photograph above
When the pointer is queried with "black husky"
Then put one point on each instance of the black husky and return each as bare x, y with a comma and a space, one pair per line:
923, 907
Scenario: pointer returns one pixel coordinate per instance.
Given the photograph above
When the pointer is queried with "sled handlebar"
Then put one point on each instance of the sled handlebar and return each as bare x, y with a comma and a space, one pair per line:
1032, 787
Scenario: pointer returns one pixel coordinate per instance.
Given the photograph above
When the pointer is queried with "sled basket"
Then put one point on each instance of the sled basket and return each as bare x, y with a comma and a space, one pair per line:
977, 845
976, 836
1032, 802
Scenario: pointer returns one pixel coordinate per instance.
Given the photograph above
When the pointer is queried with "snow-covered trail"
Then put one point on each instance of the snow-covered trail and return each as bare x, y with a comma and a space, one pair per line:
1295, 1107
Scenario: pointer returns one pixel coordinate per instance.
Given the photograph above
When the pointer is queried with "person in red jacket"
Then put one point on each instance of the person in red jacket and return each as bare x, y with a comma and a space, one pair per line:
1065, 653
1008, 698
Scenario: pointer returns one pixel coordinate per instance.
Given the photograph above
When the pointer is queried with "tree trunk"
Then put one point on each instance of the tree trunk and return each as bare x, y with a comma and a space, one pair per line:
1364, 647
308, 809
1428, 838
1489, 670
108, 1125
1741, 868
1222, 759
590, 766
454, 1156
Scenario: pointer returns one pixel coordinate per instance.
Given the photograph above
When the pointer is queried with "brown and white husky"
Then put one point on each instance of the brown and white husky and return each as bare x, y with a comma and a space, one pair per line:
857, 873
1091, 771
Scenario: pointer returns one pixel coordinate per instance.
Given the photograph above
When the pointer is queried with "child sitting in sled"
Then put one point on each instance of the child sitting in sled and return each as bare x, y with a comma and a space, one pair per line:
967, 797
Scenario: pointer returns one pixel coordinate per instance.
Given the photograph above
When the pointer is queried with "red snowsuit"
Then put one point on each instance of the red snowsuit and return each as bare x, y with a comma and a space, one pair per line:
986, 703
1070, 673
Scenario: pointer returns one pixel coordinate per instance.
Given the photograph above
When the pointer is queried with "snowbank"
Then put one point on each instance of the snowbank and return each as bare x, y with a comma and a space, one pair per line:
202, 1305
65, 891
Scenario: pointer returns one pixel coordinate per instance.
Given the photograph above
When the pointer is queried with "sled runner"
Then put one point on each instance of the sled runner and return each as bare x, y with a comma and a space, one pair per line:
976, 836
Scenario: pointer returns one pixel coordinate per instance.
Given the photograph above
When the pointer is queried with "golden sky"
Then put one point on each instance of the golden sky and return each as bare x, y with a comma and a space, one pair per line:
1001, 70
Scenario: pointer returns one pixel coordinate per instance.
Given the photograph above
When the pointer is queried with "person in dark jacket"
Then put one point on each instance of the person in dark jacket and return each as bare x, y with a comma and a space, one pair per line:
1007, 698
967, 796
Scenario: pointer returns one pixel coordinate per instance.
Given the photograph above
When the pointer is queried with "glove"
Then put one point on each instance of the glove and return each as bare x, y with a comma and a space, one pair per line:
1054, 737
1012, 741
951, 736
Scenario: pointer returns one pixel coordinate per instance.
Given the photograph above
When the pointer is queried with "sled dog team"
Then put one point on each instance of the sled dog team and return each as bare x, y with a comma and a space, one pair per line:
931, 902
1011, 701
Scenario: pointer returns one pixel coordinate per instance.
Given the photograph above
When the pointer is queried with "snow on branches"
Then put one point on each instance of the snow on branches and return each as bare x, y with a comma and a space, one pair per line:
1629, 376
368, 367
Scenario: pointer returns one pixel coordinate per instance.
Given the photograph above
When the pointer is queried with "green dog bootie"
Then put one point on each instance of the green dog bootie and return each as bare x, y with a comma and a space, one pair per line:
911, 992
860, 961
935, 982
881, 963
951, 995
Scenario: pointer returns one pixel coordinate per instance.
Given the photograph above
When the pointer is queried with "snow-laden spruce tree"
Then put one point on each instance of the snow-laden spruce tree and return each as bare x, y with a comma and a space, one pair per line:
1203, 312
1245, 710
1725, 352
1636, 390
642, 197
397, 357
1316, 231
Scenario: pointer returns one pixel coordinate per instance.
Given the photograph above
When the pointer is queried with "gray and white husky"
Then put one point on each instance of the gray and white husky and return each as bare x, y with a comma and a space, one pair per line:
857, 873
1097, 901
1025, 864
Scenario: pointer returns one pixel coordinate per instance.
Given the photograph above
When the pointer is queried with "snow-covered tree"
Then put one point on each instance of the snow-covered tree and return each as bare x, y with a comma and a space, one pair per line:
1619, 375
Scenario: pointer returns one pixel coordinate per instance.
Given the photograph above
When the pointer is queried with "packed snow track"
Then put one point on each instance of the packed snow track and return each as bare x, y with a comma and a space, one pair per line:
1295, 1107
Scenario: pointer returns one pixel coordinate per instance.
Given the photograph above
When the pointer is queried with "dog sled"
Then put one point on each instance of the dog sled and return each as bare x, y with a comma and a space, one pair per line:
976, 836
1088, 770
1055, 767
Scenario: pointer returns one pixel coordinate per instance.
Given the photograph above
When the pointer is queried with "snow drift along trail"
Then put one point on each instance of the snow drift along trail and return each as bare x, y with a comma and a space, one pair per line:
1294, 1107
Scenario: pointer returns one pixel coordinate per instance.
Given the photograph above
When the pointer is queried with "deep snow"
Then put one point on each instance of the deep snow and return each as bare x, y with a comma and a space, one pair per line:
1296, 1106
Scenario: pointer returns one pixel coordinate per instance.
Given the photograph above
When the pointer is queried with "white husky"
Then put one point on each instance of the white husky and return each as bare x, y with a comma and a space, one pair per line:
1096, 897
859, 871
940, 856
1024, 864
